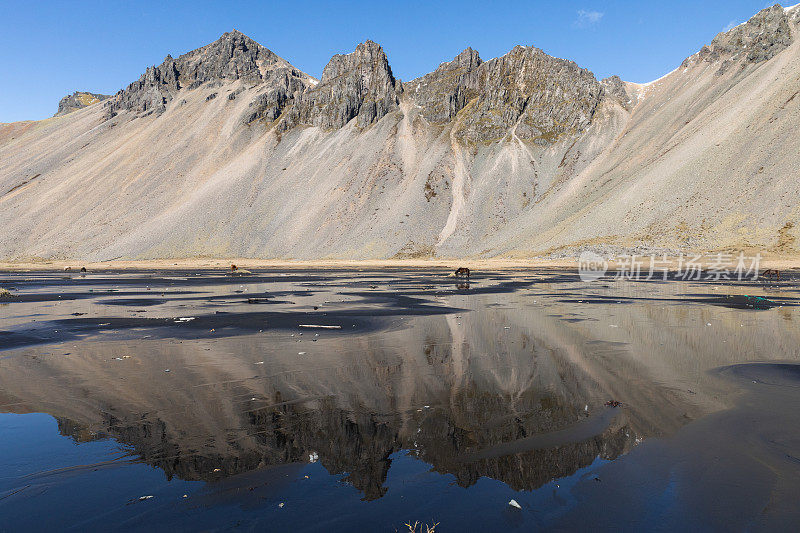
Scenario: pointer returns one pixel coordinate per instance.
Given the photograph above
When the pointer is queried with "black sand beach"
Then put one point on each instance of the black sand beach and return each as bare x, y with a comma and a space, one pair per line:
344, 399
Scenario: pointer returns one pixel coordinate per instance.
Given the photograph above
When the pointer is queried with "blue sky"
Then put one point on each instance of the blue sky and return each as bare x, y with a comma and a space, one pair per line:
49, 49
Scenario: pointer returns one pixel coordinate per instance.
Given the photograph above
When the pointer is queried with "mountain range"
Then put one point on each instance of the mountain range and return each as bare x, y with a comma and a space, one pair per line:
231, 151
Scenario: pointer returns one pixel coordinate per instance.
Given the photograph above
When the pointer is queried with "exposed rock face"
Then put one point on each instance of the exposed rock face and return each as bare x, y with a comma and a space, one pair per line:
359, 85
445, 91
614, 87
539, 96
151, 92
759, 39
526, 93
234, 56
78, 100
281, 88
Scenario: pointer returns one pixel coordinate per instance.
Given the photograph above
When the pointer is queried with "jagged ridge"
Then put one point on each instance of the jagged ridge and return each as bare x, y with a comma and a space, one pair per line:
234, 56
539, 96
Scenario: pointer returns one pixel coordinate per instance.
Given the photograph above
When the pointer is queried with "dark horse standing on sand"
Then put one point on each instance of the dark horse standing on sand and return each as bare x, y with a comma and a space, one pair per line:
462, 271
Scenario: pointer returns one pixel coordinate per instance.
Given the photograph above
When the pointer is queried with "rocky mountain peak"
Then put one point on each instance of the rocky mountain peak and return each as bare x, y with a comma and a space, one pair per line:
533, 96
759, 39
526, 92
468, 58
357, 85
368, 56
78, 100
234, 56
537, 96
614, 87
445, 91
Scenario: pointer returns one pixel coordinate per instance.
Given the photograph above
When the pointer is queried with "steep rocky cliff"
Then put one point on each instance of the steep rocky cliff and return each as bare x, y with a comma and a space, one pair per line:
234, 56
445, 91
357, 86
525, 93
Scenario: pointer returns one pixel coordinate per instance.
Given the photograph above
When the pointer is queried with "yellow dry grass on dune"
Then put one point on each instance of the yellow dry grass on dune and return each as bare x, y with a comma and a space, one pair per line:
767, 261
224, 264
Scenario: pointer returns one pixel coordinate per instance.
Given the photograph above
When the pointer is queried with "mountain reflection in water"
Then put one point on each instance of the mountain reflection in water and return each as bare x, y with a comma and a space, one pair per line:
506, 378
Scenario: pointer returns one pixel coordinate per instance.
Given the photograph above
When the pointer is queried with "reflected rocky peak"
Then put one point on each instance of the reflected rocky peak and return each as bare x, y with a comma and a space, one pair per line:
358, 444
507, 380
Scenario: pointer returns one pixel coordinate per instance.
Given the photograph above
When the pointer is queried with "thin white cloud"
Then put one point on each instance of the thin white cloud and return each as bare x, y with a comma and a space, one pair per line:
732, 24
587, 18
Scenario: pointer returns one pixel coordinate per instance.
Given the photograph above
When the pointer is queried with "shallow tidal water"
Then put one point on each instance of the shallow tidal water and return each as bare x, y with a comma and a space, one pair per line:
194, 400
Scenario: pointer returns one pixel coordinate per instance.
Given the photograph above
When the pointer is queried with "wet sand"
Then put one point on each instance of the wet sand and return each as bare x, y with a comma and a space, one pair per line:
433, 400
